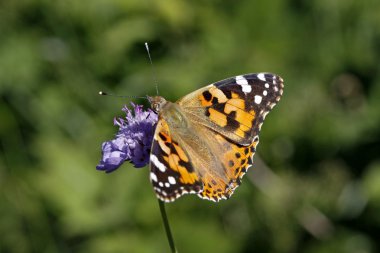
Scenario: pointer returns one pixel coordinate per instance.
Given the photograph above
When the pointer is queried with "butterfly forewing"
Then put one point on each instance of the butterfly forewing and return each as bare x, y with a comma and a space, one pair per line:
235, 107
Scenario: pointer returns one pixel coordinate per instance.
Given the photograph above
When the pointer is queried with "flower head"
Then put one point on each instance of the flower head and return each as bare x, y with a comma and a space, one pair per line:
132, 142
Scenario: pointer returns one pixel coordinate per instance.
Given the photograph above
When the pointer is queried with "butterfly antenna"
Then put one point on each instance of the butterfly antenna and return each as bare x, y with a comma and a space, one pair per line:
151, 64
102, 93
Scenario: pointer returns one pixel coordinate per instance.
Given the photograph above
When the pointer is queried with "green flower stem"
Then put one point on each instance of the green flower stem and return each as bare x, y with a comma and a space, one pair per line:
167, 227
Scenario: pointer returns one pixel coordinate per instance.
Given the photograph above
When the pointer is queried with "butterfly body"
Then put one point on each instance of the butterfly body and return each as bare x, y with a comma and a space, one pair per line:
204, 143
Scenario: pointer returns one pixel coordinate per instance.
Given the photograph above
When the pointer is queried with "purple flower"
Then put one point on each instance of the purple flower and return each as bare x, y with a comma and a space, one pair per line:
132, 142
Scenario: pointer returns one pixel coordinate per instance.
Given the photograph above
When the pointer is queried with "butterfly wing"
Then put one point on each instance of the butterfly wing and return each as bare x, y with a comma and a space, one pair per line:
235, 107
220, 182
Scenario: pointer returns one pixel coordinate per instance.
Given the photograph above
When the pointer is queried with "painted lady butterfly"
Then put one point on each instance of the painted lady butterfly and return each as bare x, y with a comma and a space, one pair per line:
204, 143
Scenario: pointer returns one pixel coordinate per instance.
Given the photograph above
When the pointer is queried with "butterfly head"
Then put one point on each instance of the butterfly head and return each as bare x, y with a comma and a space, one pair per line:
157, 102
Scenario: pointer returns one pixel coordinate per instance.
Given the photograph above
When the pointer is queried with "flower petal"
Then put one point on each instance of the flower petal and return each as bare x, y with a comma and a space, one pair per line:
133, 140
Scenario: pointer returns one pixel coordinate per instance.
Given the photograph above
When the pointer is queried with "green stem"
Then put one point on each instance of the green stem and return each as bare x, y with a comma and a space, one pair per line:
167, 227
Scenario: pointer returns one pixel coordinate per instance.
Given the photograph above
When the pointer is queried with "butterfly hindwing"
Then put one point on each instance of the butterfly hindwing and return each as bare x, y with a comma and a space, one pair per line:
235, 160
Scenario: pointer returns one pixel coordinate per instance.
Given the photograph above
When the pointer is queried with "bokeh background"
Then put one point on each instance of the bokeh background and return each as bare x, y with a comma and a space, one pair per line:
315, 186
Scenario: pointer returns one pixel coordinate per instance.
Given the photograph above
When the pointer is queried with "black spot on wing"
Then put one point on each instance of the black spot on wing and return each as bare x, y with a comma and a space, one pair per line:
219, 107
215, 101
232, 124
162, 136
207, 95
187, 165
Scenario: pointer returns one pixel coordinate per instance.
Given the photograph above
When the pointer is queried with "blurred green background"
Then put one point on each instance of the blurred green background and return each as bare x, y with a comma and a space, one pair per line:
316, 183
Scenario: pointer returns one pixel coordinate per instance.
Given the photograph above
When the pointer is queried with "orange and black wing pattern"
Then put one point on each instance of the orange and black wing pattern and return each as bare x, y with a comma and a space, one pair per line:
235, 107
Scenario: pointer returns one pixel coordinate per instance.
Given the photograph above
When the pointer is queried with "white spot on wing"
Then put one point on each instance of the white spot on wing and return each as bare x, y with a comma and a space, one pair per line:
267, 85
241, 80
153, 177
258, 99
167, 185
171, 180
246, 88
157, 163
265, 93
244, 84
261, 76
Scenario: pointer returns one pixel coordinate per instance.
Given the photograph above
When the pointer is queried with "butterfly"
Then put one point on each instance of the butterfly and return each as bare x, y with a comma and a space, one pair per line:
204, 143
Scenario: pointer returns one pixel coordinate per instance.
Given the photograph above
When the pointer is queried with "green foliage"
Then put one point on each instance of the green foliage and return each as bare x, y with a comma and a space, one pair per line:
321, 190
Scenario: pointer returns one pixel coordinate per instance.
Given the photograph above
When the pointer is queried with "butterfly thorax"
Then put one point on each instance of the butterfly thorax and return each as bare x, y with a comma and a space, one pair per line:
171, 112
